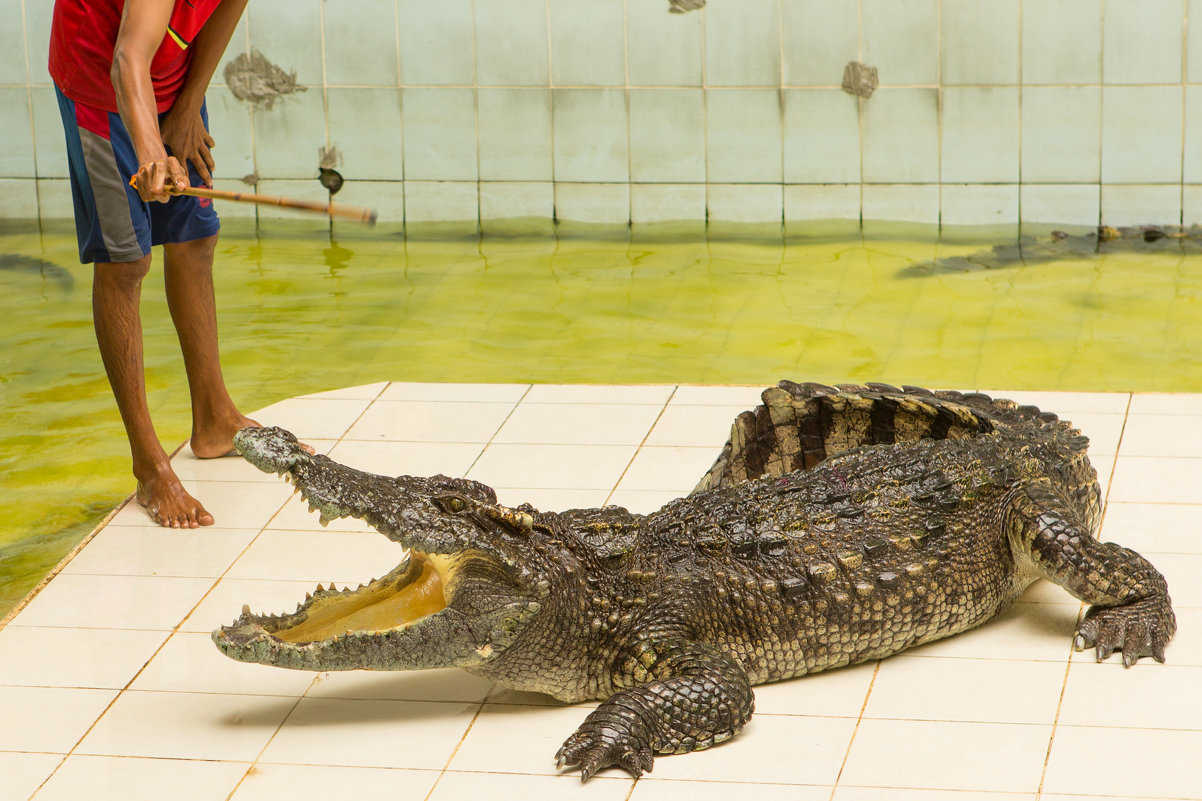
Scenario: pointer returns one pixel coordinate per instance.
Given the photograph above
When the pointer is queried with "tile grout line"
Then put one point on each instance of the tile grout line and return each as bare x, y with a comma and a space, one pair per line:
855, 730
455, 751
1047, 757
642, 443
493, 437
254, 763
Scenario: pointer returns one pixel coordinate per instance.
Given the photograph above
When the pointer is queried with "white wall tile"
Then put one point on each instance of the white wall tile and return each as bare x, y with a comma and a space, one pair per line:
1142, 41
439, 134
515, 134
441, 201
822, 202
16, 147
1065, 204
821, 136
592, 203
901, 39
820, 38
54, 199
1192, 163
652, 203
361, 43
1194, 44
742, 43
745, 204
12, 46
386, 198
511, 43
290, 135
506, 199
1062, 41
288, 33
587, 45
743, 136
365, 127
1141, 134
980, 135
436, 42
37, 29
901, 203
50, 149
980, 42
591, 135
983, 204
667, 135
901, 136
663, 49
19, 199
1061, 141
1125, 204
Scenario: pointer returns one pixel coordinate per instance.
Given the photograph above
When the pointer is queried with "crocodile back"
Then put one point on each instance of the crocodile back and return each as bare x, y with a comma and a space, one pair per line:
797, 426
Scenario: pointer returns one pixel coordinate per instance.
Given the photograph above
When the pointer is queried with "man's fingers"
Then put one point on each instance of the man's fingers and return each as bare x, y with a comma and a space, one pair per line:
203, 166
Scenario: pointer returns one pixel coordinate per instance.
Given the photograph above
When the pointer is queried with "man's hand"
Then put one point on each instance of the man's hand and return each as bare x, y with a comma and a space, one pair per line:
184, 132
159, 180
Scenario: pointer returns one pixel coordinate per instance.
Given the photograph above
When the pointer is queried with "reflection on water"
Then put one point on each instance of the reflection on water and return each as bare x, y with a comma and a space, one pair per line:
306, 313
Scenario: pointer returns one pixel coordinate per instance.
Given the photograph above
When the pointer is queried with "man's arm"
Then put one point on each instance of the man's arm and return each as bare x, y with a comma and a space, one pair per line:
143, 26
183, 128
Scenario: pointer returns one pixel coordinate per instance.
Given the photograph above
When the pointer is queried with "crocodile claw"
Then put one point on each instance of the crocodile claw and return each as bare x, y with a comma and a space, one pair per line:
605, 746
1139, 629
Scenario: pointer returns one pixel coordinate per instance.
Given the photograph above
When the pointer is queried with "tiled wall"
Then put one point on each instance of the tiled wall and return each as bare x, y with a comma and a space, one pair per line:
988, 111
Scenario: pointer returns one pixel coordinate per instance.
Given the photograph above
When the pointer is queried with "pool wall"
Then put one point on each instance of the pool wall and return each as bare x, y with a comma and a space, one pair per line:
611, 111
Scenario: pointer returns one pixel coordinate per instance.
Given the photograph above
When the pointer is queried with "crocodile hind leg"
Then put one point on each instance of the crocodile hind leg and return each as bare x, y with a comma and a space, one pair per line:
680, 696
1130, 609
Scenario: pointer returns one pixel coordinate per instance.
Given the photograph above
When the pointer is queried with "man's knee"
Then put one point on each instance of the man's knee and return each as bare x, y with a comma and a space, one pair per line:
121, 275
193, 251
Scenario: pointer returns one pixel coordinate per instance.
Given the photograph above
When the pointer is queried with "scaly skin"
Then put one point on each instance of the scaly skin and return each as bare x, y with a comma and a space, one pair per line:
838, 525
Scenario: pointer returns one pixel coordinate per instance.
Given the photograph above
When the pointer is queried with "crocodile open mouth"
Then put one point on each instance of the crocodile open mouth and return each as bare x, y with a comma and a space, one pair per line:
413, 591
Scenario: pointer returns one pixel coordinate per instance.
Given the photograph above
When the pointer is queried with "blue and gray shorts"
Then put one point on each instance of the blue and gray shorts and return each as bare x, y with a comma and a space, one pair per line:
112, 222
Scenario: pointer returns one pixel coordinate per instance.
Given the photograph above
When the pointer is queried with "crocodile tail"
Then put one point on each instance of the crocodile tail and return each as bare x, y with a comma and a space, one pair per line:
799, 425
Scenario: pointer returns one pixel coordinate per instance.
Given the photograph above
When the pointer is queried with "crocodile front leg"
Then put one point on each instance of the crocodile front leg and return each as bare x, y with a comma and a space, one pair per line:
1130, 606
678, 696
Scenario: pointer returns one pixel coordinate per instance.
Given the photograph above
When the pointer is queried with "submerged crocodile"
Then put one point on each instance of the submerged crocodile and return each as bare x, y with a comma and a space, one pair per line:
1061, 246
838, 525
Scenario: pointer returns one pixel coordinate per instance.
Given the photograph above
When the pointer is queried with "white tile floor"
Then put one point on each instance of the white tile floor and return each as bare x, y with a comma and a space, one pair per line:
110, 687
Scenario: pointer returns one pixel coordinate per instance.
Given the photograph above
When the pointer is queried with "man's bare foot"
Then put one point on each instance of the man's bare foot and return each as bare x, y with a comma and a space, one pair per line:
217, 440
169, 504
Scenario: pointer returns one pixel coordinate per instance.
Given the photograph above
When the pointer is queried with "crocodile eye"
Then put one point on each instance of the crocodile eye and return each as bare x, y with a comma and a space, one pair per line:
451, 503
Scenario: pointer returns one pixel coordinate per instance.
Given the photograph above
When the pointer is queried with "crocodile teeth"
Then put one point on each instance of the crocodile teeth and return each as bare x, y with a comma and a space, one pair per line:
246, 610
325, 521
320, 588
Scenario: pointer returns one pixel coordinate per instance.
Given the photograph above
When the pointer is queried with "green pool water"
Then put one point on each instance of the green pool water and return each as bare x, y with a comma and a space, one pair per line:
306, 312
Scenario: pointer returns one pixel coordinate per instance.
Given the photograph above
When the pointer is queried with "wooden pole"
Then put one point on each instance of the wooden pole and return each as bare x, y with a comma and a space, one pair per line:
356, 213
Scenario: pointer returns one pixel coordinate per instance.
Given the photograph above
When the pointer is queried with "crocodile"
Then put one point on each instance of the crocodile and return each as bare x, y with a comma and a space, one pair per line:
1061, 246
837, 525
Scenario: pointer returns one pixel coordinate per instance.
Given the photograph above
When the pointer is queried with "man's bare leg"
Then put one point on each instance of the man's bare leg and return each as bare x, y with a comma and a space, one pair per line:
189, 281
116, 290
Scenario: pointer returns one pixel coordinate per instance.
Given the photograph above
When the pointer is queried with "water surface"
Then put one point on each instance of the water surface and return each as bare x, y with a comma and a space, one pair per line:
306, 313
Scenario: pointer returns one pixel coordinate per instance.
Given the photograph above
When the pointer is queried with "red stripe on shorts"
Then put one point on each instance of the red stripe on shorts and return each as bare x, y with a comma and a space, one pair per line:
92, 119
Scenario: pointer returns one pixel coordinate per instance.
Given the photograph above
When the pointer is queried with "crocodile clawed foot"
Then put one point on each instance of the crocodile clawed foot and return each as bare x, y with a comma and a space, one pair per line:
1139, 629
596, 747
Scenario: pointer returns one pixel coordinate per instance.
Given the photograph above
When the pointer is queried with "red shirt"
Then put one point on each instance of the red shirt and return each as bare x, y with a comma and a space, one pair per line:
84, 34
